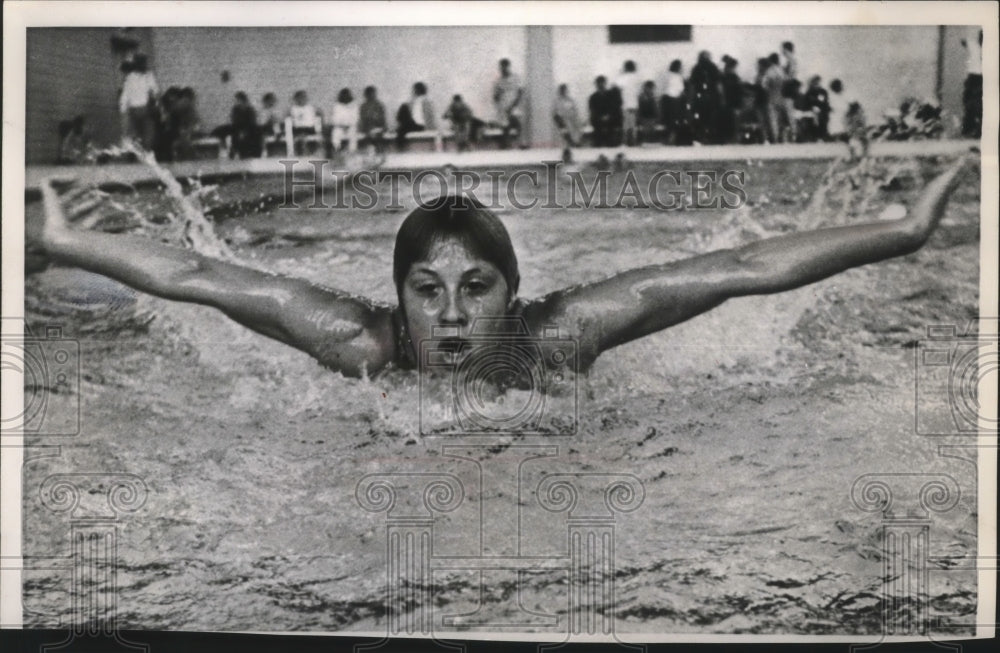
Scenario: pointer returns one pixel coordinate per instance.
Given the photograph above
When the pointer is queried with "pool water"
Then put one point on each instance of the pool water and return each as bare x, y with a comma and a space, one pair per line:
746, 427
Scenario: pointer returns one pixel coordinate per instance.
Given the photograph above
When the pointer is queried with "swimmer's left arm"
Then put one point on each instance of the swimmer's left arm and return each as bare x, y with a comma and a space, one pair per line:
639, 302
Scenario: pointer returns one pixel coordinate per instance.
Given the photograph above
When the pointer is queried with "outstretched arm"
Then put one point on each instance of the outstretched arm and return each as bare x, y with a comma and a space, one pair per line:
346, 333
638, 302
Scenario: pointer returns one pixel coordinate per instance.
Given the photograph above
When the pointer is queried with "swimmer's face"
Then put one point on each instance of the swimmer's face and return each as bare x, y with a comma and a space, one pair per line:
452, 287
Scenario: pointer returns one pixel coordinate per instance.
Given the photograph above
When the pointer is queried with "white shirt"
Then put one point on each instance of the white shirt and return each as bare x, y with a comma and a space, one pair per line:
975, 61
675, 85
344, 115
629, 84
303, 116
136, 90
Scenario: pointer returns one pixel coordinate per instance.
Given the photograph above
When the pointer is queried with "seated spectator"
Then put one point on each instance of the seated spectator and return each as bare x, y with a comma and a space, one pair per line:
566, 117
74, 141
184, 122
304, 119
816, 101
371, 120
344, 121
778, 119
415, 115
270, 116
461, 119
243, 130
605, 113
673, 108
647, 113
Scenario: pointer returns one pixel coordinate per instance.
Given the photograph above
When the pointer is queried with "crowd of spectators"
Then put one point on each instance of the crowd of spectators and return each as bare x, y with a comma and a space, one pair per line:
710, 105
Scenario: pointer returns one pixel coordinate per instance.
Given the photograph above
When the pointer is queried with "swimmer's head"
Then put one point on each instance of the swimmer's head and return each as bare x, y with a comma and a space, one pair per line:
453, 263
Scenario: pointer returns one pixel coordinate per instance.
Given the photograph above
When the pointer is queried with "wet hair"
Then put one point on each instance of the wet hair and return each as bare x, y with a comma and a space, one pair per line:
345, 96
462, 218
630, 66
420, 88
675, 66
370, 92
836, 86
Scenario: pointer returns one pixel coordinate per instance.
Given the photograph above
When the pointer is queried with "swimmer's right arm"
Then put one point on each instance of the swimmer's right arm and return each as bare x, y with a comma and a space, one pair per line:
346, 333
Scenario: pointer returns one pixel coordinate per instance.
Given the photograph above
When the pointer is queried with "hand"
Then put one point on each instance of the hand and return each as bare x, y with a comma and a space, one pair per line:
82, 201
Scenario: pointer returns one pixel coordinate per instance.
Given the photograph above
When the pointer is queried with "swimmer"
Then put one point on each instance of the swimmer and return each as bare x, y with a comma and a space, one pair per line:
455, 264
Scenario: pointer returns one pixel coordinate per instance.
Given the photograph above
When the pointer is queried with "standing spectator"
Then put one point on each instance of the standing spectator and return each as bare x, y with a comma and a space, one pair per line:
244, 132
673, 111
461, 119
773, 83
603, 105
792, 86
648, 113
972, 92
508, 96
817, 101
415, 115
628, 85
706, 98
372, 122
566, 117
344, 122
732, 93
838, 103
137, 103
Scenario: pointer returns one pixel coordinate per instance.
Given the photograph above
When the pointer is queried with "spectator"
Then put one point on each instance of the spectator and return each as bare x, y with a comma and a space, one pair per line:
732, 93
792, 86
372, 122
706, 98
817, 101
838, 103
243, 130
508, 96
414, 116
461, 119
972, 92
304, 118
604, 106
673, 110
137, 103
566, 117
647, 113
773, 83
184, 121
270, 115
628, 85
74, 141
344, 122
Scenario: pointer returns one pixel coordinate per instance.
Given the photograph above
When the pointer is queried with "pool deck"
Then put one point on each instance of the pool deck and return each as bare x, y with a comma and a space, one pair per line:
135, 173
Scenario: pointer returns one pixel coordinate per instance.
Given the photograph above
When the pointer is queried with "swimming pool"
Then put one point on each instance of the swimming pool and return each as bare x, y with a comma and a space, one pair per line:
746, 426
